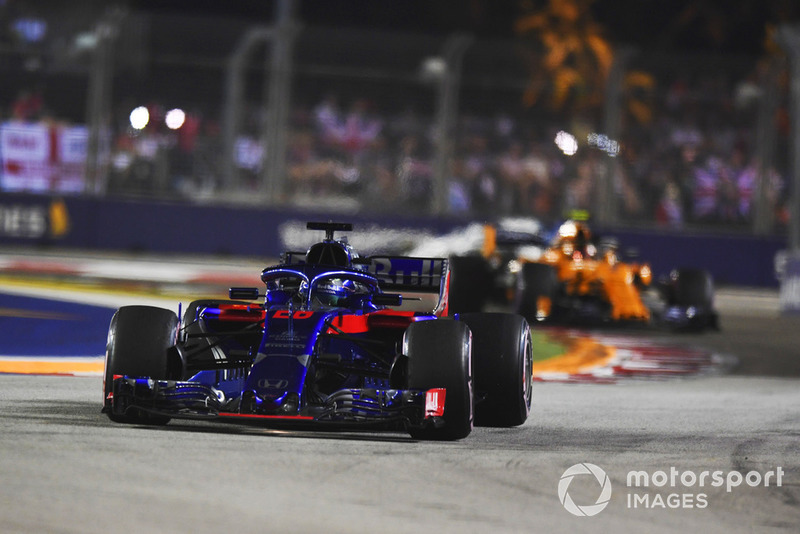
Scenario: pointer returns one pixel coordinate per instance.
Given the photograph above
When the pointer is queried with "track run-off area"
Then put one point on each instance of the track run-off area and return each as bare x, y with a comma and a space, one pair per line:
639, 430
55, 313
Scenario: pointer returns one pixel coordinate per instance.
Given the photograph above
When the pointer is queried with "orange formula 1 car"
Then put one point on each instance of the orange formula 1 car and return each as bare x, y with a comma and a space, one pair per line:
578, 280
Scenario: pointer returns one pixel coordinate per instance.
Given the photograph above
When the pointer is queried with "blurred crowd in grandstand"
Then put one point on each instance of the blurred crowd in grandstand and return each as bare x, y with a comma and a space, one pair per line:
690, 164
683, 167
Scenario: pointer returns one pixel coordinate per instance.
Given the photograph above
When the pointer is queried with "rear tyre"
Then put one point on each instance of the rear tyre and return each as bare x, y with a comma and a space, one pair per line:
138, 339
535, 280
439, 357
470, 283
502, 363
694, 288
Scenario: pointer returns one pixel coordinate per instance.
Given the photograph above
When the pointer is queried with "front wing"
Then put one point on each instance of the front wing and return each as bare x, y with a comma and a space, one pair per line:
346, 408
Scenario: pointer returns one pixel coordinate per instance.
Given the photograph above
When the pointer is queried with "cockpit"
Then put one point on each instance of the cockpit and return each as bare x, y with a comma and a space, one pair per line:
308, 289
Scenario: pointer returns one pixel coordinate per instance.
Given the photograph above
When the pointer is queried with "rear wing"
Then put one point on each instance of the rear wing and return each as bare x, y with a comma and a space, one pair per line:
403, 273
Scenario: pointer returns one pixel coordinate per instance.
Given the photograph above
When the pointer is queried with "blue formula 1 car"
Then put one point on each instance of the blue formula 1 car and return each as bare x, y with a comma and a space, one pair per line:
328, 343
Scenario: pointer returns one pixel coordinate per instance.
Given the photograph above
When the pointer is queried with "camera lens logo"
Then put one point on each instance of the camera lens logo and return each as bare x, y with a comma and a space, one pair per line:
589, 509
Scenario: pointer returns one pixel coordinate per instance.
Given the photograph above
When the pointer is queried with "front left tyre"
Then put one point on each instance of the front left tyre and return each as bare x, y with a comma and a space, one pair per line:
138, 341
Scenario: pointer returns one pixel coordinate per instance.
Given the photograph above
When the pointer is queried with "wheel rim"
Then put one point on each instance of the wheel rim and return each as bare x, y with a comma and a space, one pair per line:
527, 371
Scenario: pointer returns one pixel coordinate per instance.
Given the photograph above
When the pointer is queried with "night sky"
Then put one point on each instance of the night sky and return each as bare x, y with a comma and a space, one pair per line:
736, 26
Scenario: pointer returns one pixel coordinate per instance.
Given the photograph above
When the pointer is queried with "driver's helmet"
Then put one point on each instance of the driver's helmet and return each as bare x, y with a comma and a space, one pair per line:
334, 292
608, 249
575, 236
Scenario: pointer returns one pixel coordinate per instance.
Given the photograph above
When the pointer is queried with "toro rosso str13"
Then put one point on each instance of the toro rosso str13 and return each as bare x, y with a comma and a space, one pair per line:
327, 343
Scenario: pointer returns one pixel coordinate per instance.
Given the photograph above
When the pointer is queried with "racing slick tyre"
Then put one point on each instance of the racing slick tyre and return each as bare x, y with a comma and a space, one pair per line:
470, 283
535, 280
694, 287
138, 339
439, 357
502, 366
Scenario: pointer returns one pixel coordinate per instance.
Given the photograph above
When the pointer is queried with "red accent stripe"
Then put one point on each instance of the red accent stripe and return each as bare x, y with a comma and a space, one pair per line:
241, 312
349, 324
390, 319
257, 416
358, 324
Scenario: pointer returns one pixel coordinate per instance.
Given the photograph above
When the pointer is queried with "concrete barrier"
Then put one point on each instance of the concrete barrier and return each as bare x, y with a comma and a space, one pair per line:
88, 223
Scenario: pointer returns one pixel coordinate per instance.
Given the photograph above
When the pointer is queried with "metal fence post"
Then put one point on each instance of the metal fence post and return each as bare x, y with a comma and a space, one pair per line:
789, 38
605, 206
276, 120
232, 106
98, 99
763, 211
446, 117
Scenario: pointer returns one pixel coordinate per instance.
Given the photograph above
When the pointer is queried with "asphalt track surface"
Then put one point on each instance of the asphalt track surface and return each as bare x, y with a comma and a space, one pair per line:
66, 468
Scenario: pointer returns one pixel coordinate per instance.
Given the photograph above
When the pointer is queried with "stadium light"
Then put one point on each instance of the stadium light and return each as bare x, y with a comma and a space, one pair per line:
567, 143
139, 118
175, 118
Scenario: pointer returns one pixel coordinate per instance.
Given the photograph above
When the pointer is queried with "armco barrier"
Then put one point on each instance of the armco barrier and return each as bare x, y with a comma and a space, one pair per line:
165, 227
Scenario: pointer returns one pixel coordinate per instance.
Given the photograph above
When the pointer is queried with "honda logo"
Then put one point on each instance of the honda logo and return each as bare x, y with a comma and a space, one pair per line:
266, 383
